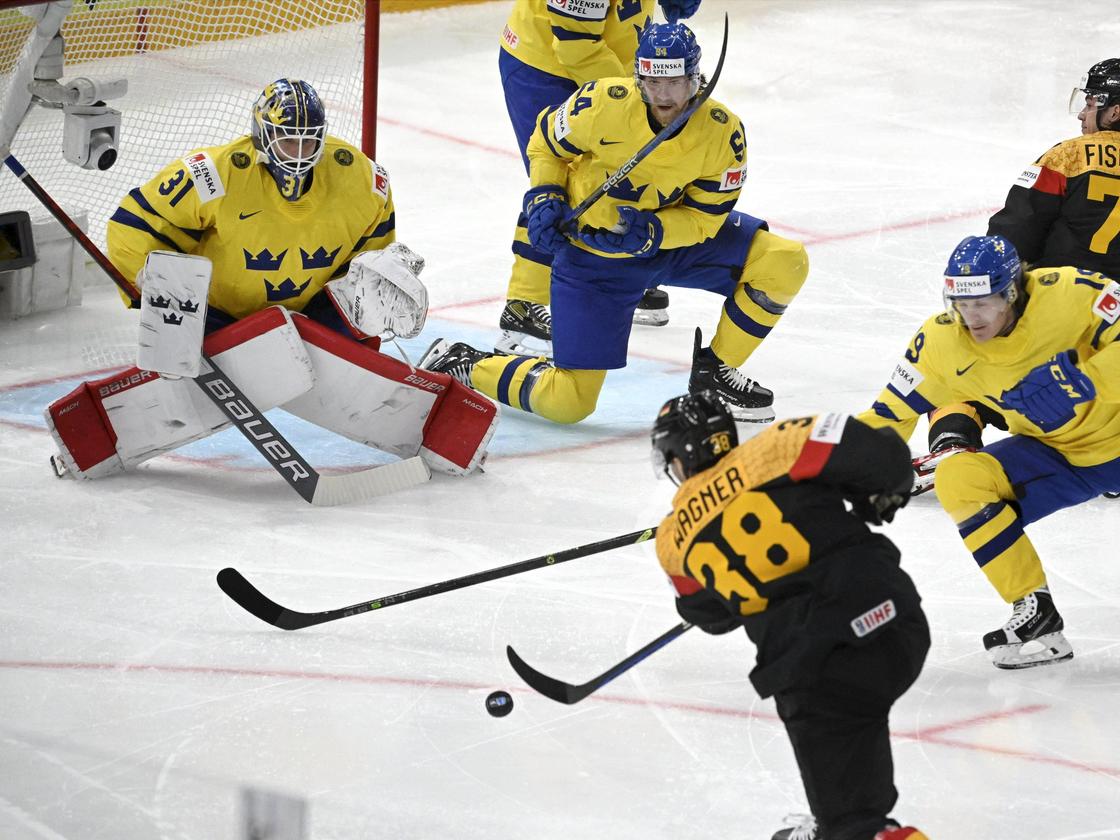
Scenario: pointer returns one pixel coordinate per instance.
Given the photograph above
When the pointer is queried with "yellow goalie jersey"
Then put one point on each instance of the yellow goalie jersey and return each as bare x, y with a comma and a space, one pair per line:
693, 178
1067, 308
576, 39
219, 203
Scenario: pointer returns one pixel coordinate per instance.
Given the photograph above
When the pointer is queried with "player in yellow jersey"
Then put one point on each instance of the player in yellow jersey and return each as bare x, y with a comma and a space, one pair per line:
278, 212
548, 49
760, 538
669, 222
1040, 350
1062, 210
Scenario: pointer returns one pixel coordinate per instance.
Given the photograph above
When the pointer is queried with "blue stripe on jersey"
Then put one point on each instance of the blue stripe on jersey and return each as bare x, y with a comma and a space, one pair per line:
552, 10
1097, 335
881, 409
138, 197
562, 34
707, 186
575, 150
528, 252
507, 377
714, 209
179, 196
383, 229
123, 217
914, 401
977, 520
998, 544
548, 134
744, 321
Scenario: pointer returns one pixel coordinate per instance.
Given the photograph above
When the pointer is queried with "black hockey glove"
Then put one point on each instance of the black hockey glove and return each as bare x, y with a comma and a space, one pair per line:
878, 508
707, 612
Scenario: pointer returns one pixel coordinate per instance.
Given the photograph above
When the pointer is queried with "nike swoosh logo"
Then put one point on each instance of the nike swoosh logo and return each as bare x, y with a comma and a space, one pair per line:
244, 216
609, 142
964, 370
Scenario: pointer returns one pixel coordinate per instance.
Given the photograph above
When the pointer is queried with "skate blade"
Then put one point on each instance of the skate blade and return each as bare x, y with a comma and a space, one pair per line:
1045, 650
512, 343
434, 351
651, 317
751, 415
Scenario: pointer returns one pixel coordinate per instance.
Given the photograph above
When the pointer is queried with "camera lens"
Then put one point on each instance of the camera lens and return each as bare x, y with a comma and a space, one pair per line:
101, 150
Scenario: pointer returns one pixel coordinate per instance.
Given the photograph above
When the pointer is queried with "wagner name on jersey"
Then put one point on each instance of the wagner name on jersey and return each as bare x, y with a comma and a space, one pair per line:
1065, 209
1067, 308
576, 39
766, 530
692, 178
219, 203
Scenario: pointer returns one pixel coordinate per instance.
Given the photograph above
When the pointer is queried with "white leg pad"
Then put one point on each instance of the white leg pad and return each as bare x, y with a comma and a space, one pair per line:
377, 400
118, 422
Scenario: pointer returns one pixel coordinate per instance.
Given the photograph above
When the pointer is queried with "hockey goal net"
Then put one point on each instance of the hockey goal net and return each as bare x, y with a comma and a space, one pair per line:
194, 68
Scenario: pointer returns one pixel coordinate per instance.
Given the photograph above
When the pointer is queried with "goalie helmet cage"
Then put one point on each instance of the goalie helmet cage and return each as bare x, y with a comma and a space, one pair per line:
194, 69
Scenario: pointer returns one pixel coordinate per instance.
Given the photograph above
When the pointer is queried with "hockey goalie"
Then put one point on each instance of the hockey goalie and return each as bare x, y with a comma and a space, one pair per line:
278, 358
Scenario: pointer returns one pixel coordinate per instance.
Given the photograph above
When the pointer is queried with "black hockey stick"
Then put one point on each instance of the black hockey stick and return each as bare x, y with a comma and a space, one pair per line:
644, 152
251, 599
563, 692
315, 488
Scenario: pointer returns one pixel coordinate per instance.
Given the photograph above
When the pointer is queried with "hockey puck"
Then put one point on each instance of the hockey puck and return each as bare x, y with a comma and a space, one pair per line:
499, 704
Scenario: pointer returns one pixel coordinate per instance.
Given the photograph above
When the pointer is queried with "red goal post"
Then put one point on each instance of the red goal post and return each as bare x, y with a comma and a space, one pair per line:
194, 68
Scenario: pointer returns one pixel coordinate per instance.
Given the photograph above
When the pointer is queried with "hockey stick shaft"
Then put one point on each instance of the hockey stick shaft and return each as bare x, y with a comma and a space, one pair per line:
568, 693
251, 599
238, 409
644, 152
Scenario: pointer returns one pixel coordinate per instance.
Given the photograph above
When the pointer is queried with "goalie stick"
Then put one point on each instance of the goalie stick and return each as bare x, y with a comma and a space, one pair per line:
313, 486
251, 599
644, 152
567, 693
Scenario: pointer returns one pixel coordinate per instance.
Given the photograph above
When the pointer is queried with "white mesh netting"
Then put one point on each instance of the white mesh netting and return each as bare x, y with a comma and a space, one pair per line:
194, 68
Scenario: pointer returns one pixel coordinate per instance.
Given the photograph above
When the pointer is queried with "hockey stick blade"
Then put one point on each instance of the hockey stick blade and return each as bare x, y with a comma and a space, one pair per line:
252, 600
668, 131
366, 484
568, 693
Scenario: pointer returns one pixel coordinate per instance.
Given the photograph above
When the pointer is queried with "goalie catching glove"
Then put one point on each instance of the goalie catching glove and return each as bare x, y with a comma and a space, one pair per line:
382, 294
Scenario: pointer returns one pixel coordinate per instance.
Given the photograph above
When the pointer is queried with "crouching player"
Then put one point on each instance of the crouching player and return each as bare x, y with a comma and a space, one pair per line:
1039, 350
760, 538
280, 248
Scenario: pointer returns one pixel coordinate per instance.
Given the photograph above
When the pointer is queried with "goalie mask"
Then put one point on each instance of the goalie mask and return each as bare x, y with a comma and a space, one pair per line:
697, 430
289, 128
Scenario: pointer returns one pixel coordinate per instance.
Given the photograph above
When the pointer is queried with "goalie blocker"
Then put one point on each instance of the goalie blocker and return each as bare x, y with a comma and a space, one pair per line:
278, 358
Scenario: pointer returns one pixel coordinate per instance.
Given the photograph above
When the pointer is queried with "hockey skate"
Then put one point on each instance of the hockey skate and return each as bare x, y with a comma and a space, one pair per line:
798, 827
747, 401
653, 309
526, 329
456, 360
1032, 636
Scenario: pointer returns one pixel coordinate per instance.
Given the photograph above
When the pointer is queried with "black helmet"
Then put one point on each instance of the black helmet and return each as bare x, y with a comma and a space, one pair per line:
1100, 86
696, 428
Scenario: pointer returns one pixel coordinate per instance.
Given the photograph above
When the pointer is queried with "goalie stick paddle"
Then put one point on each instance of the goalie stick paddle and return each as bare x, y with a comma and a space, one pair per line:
644, 152
252, 600
313, 486
567, 693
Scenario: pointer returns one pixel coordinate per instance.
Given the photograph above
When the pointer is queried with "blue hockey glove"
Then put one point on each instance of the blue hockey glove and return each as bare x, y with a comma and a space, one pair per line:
1046, 396
639, 234
546, 207
674, 10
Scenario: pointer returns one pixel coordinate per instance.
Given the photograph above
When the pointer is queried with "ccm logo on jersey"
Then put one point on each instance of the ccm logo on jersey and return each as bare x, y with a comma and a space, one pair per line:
905, 378
1108, 304
1029, 177
126, 383
587, 9
874, 618
733, 179
204, 173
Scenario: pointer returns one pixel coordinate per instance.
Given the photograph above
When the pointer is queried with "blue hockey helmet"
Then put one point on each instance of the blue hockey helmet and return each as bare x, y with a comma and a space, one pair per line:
697, 429
667, 50
289, 127
981, 266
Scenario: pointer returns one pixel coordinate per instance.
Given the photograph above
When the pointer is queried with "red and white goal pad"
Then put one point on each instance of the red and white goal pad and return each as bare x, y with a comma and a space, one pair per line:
277, 358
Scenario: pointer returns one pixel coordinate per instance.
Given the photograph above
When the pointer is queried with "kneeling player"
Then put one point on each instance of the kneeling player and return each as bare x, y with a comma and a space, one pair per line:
1041, 351
759, 537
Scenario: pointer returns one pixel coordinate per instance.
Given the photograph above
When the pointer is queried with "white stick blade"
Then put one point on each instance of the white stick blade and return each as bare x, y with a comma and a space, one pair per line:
378, 481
